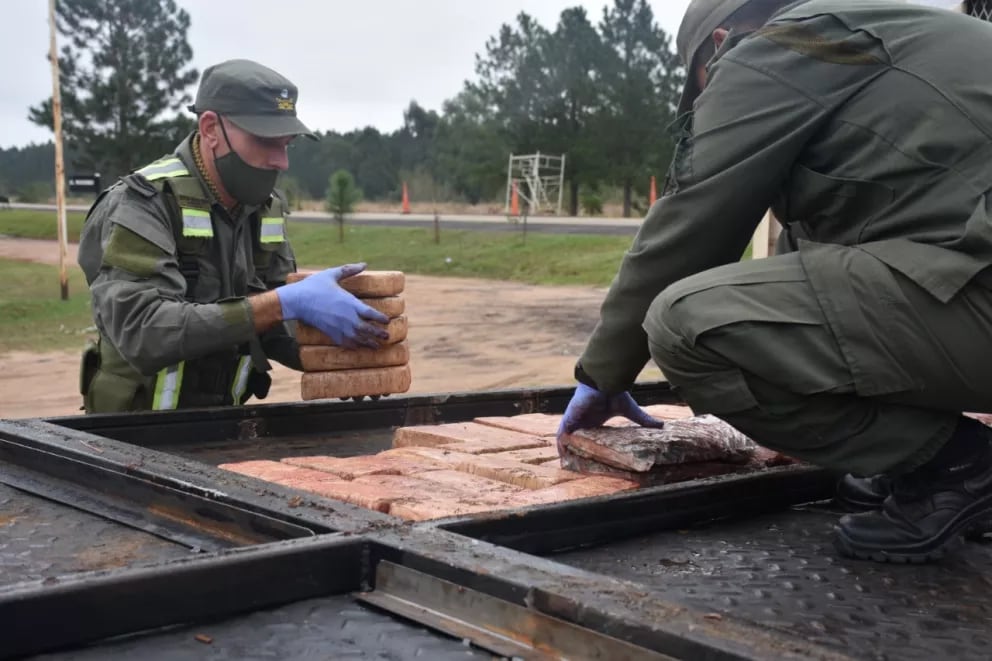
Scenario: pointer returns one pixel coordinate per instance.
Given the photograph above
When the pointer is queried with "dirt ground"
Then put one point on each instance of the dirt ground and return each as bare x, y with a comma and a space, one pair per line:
465, 335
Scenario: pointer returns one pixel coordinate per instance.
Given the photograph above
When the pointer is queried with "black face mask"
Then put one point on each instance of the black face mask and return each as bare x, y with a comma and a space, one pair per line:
246, 183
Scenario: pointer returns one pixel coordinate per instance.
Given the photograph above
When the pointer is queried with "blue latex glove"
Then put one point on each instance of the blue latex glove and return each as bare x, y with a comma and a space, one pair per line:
319, 301
591, 408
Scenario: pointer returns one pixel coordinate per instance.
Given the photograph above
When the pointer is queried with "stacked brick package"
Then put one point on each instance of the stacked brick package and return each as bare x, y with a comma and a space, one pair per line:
331, 371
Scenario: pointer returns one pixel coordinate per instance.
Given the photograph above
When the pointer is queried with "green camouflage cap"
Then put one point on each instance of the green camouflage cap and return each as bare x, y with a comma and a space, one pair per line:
254, 97
700, 20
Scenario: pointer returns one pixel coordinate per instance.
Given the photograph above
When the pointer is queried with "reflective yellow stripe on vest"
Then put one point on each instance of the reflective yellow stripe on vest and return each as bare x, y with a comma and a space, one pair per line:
163, 168
273, 230
167, 387
240, 384
196, 223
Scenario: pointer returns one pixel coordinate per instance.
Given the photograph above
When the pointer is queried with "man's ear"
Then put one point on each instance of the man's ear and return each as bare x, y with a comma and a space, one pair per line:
209, 127
719, 36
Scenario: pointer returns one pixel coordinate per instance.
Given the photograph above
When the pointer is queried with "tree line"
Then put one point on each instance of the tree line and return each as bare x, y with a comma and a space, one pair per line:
601, 92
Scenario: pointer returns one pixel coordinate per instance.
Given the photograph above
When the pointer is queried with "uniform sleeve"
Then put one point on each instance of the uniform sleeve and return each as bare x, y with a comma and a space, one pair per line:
749, 128
279, 343
138, 291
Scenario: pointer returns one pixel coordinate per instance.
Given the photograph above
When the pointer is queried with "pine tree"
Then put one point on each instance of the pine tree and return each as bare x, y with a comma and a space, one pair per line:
342, 196
124, 75
641, 84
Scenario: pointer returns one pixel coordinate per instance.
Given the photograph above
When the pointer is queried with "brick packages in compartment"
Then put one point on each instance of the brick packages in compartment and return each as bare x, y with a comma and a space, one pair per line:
331, 371
685, 449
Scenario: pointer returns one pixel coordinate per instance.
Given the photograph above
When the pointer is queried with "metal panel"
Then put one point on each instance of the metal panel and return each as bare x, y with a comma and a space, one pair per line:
622, 610
149, 469
592, 521
197, 426
73, 610
168, 512
39, 538
493, 624
329, 628
780, 572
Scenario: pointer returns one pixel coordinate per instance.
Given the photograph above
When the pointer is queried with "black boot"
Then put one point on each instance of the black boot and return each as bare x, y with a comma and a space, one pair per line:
862, 494
929, 508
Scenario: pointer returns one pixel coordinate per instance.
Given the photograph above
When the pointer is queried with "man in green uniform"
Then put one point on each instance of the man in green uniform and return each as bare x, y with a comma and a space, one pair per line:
187, 259
866, 127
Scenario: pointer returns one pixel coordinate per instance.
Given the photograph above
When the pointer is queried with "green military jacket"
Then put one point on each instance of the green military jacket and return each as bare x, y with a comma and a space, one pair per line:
860, 123
169, 272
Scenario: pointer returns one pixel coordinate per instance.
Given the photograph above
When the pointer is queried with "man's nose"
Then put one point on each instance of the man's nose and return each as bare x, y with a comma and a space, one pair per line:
279, 159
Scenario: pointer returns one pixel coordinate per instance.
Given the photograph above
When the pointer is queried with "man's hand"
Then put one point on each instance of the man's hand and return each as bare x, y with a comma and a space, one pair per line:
591, 408
319, 301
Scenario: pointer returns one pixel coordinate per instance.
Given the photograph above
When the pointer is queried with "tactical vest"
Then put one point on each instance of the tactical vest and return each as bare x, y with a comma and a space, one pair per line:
221, 379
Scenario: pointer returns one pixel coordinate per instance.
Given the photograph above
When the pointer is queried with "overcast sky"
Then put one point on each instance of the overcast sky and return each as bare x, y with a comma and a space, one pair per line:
356, 63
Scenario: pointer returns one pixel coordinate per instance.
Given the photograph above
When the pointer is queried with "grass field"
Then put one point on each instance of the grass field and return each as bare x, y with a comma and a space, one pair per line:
38, 224
32, 317
548, 259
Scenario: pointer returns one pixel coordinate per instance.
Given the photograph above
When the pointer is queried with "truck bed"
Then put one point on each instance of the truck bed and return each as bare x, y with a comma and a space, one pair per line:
39, 538
780, 571
329, 628
121, 538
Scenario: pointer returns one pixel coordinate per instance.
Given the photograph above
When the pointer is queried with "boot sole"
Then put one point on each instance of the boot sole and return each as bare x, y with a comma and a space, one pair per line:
975, 532
971, 525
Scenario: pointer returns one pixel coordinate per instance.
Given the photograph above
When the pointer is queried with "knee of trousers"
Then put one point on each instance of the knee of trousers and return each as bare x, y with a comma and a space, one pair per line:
668, 324
701, 376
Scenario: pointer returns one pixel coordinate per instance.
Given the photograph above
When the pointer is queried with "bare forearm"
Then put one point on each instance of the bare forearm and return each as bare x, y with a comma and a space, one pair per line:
266, 310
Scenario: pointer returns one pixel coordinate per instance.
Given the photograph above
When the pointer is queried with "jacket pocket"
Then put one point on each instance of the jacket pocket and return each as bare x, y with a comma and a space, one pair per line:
111, 393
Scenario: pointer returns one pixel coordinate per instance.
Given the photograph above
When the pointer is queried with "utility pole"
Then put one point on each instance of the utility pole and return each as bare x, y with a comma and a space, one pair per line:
53, 56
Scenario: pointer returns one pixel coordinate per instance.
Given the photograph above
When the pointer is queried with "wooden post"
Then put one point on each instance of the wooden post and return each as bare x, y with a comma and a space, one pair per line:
759, 242
774, 230
53, 56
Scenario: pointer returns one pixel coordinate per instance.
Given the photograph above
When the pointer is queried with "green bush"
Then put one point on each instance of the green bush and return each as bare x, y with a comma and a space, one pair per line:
291, 188
592, 203
342, 196
34, 193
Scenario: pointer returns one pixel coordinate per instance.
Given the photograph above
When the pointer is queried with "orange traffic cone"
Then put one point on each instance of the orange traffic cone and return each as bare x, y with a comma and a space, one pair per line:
514, 201
654, 193
406, 199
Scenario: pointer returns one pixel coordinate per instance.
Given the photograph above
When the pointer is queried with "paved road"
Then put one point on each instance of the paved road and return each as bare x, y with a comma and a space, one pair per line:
551, 224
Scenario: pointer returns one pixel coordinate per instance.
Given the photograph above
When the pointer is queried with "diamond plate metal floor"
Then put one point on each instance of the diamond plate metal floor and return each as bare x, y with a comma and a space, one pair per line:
40, 539
332, 628
781, 571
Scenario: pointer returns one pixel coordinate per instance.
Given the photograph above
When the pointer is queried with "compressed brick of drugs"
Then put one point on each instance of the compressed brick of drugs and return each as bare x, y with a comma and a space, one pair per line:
355, 383
528, 476
658, 475
367, 284
453, 493
331, 358
349, 468
585, 487
669, 411
499, 440
275, 471
641, 449
309, 336
538, 424
538, 456
391, 306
